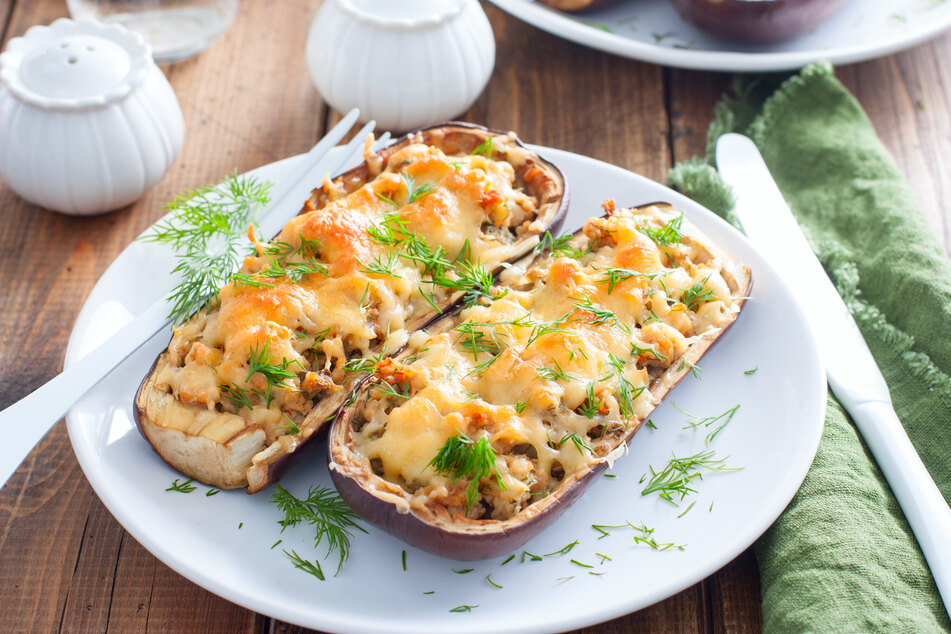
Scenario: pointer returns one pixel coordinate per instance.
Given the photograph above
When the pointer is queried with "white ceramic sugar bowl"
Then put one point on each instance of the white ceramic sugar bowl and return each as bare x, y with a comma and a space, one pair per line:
88, 122
405, 63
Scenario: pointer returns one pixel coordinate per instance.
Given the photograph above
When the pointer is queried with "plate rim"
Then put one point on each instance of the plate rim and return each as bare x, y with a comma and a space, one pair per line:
312, 618
560, 25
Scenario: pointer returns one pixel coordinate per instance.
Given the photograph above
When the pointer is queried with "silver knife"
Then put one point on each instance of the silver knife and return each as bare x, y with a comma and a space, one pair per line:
28, 420
853, 375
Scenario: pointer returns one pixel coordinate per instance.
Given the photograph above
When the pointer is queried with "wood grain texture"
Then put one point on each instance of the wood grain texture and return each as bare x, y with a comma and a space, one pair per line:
65, 563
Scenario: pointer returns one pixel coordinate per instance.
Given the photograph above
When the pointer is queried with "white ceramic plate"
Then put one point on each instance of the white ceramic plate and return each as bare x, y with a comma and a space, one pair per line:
224, 542
652, 31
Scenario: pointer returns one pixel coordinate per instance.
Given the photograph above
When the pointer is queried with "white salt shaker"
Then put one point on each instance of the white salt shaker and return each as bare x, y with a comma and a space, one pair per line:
404, 64
88, 122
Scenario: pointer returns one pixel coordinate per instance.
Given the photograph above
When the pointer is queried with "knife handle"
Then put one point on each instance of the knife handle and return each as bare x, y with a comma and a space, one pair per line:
925, 508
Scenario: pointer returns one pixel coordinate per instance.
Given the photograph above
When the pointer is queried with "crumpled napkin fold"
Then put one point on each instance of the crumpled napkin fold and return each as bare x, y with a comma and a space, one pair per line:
842, 558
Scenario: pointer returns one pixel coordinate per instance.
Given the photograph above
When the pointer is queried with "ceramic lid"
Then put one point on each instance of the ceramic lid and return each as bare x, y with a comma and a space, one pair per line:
74, 65
405, 14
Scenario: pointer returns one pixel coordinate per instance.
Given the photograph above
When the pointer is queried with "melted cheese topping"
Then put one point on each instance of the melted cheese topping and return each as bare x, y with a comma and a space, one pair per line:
338, 282
551, 374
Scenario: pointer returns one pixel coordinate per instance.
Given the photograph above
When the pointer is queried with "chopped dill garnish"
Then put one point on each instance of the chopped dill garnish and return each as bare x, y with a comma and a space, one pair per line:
404, 561
686, 510
603, 558
274, 545
326, 511
583, 565
564, 551
560, 246
510, 558
302, 564
676, 478
554, 374
291, 426
492, 583
599, 315
211, 492
753, 371
720, 420
650, 423
462, 571
182, 487
591, 406
667, 235
520, 406
464, 608
530, 556
414, 192
486, 148
697, 294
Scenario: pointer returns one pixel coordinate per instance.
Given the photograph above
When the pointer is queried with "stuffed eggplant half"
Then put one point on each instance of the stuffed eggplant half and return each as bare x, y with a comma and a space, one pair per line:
492, 422
375, 254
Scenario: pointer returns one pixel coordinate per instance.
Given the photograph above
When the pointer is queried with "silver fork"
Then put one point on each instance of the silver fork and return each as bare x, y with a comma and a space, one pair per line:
28, 420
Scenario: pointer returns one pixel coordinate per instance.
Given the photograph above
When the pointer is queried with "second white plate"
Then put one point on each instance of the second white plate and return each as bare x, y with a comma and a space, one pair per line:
652, 31
225, 542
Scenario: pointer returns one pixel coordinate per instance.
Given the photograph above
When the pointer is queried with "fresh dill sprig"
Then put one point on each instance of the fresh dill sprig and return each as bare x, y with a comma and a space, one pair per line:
720, 420
560, 246
326, 512
388, 389
182, 487
667, 235
387, 267
291, 426
274, 373
599, 316
302, 564
580, 443
486, 148
414, 192
477, 338
208, 232
677, 477
637, 351
565, 550
625, 393
461, 457
697, 294
556, 373
614, 276
591, 406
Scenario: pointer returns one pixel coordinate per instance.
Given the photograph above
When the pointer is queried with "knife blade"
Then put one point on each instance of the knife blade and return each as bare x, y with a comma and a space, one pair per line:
853, 375
28, 420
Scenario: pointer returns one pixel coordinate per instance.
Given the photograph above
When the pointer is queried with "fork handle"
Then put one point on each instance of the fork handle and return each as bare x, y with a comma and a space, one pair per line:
27, 421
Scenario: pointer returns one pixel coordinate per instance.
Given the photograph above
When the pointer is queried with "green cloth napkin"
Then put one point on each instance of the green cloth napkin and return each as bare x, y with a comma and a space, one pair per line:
842, 558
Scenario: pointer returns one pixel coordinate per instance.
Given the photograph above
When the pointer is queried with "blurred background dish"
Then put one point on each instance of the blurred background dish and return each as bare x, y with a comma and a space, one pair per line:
175, 29
653, 31
759, 21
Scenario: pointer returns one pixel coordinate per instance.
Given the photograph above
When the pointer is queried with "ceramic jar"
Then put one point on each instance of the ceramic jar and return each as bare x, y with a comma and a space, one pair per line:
405, 64
88, 122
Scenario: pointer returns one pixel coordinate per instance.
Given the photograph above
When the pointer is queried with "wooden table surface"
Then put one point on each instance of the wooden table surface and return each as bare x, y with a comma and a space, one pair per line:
65, 563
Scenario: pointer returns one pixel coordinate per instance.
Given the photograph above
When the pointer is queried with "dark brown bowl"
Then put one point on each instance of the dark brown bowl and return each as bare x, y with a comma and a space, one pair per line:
756, 21
578, 5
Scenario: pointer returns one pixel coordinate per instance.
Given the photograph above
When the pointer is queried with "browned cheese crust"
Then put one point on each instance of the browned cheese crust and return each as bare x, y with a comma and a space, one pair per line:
555, 374
374, 255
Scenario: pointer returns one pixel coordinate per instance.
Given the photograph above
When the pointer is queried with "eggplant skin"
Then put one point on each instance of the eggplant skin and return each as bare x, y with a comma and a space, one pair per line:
756, 22
384, 504
579, 5
247, 459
